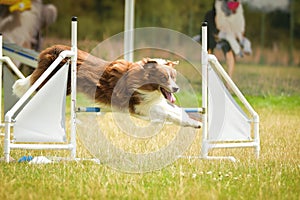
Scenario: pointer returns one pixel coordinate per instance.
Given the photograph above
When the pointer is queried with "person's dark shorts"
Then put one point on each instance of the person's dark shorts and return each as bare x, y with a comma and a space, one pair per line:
224, 45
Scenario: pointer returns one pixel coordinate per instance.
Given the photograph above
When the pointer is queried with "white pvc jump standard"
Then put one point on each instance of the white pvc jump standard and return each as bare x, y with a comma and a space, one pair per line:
72, 54
211, 61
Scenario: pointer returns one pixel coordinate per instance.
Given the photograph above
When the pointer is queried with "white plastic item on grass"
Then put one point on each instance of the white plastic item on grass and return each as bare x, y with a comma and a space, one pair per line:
40, 160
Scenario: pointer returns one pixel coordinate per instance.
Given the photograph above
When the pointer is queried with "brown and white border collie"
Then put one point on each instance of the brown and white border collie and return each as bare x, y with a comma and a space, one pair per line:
144, 88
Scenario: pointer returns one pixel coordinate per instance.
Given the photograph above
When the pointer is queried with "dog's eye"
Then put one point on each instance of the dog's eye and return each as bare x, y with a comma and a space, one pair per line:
164, 79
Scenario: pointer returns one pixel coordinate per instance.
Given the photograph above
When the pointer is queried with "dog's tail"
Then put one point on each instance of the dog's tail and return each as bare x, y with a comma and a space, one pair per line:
21, 86
46, 57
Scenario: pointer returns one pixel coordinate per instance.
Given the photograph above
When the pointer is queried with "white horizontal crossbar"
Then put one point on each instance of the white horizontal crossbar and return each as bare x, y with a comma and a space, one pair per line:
233, 145
42, 146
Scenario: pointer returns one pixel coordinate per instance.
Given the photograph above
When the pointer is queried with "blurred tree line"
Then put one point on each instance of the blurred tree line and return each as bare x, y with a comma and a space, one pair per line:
100, 19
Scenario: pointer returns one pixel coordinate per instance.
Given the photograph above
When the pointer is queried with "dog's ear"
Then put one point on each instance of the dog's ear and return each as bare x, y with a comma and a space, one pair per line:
172, 63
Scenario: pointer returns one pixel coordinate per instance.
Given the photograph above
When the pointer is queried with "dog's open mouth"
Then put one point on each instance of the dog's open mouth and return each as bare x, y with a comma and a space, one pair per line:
168, 95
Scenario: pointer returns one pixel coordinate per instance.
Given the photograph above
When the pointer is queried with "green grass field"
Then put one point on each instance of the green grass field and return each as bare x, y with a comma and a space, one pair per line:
274, 92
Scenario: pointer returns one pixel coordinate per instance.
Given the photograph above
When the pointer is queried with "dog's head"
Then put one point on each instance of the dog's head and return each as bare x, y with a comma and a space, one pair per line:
146, 77
160, 75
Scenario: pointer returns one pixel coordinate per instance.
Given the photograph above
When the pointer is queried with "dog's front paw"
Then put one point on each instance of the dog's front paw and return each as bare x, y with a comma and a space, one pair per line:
197, 124
193, 123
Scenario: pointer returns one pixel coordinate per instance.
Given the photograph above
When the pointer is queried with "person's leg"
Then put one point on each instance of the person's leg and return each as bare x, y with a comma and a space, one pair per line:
230, 61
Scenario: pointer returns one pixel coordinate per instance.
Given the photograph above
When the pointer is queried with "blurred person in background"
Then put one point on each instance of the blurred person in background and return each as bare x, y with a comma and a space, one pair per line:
226, 31
22, 21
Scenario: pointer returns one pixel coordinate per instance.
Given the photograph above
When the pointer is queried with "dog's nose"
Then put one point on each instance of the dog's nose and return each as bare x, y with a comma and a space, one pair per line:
175, 89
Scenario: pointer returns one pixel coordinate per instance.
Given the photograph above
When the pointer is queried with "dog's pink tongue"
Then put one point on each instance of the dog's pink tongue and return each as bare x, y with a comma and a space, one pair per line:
171, 97
168, 95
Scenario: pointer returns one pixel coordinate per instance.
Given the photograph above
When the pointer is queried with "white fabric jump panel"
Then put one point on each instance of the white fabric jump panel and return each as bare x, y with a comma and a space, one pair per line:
43, 117
226, 120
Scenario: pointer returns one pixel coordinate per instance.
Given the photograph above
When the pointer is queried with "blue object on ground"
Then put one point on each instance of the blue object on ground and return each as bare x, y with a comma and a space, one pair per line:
25, 159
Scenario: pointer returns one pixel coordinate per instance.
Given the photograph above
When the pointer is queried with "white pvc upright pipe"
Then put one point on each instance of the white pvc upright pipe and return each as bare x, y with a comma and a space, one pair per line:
128, 30
73, 84
204, 62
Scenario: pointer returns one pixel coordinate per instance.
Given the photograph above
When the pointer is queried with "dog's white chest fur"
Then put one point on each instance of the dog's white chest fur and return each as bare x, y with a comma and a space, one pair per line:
149, 99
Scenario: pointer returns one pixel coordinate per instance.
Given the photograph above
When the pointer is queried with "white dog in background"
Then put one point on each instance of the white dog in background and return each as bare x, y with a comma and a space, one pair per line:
230, 22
